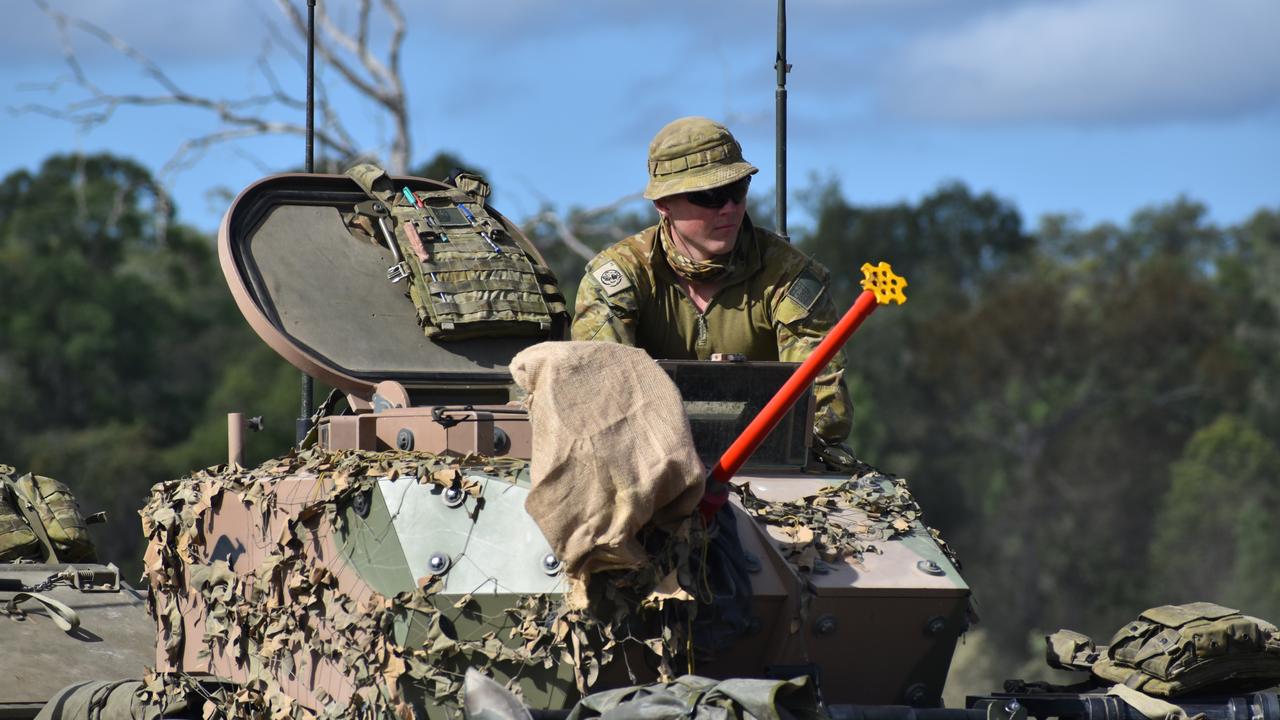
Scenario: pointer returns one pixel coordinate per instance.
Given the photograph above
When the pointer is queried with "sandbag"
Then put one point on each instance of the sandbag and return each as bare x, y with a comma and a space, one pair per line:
612, 451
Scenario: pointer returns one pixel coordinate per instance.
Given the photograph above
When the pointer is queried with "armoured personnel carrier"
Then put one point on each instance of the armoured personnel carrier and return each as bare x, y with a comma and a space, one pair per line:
370, 571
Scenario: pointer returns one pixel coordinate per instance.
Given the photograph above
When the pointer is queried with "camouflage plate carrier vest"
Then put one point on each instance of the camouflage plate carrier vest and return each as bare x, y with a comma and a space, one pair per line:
468, 275
1177, 649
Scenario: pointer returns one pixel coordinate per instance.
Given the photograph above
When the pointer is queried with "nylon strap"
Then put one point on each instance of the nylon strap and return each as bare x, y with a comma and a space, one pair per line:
63, 616
659, 168
474, 306
488, 284
1151, 707
462, 242
453, 196
460, 265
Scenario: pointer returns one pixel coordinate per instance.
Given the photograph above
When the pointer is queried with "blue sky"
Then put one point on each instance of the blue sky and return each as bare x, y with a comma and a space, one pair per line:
1091, 107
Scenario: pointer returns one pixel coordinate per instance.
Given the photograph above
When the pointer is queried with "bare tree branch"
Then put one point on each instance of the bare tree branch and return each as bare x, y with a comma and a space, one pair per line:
373, 73
609, 208
563, 232
330, 119
78, 190
400, 151
252, 115
362, 27
192, 149
568, 233
384, 85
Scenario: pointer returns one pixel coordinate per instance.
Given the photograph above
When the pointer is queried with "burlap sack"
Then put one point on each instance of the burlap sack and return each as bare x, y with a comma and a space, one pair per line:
612, 450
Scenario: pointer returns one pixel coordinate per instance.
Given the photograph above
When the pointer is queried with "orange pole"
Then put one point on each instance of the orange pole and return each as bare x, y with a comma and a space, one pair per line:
764, 423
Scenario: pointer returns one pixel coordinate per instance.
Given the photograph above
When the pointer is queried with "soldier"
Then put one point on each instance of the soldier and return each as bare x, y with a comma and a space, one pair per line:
706, 280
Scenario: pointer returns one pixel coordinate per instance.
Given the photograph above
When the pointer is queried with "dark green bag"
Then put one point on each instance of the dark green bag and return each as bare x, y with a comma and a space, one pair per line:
1176, 649
468, 276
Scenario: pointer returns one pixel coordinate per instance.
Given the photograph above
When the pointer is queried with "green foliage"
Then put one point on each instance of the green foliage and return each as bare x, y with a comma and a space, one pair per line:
1038, 386
85, 313
1216, 534
116, 325
255, 381
110, 467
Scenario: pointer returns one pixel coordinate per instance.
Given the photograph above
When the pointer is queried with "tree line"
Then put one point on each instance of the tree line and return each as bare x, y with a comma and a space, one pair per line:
1088, 413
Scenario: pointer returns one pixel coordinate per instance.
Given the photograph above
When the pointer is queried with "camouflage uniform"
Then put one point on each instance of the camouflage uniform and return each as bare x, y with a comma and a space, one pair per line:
772, 306
771, 303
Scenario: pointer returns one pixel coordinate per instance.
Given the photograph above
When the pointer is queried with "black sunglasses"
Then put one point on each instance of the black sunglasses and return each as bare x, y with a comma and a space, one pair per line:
715, 198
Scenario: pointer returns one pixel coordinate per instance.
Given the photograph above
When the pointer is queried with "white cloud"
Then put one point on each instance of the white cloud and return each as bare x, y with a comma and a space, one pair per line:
1093, 61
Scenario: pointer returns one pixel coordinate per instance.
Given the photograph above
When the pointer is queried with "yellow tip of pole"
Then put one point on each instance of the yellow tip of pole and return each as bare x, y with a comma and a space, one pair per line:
880, 280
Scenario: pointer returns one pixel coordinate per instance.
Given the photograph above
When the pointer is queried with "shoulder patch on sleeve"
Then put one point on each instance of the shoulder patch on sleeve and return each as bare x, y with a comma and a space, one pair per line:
611, 278
806, 289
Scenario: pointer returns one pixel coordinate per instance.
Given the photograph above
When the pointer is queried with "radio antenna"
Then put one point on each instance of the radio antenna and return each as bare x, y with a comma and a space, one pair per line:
780, 122
304, 407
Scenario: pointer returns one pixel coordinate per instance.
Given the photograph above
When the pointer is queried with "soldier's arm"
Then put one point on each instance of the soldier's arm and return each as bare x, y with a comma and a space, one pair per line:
803, 316
606, 307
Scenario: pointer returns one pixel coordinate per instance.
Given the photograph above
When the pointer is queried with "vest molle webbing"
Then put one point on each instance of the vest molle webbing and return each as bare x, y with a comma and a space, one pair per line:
468, 275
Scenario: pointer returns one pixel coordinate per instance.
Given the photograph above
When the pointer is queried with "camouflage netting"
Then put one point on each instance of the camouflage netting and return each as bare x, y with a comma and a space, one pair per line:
269, 618
821, 527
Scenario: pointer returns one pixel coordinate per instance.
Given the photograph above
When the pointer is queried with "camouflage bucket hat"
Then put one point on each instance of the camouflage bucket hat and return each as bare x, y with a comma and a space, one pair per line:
692, 154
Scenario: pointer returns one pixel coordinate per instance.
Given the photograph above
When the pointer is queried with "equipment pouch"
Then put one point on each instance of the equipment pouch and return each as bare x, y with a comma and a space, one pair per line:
60, 515
1177, 649
17, 540
473, 185
1069, 650
468, 276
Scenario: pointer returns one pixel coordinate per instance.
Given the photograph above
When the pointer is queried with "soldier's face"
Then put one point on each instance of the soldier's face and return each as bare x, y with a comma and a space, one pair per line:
706, 232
